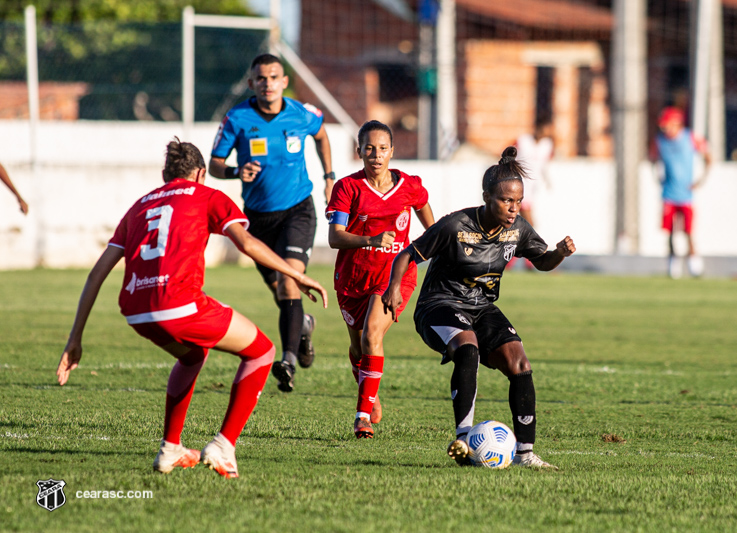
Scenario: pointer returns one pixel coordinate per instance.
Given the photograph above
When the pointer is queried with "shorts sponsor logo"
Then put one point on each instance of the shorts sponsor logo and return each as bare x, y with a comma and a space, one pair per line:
469, 237
509, 251
347, 317
363, 218
525, 420
463, 319
294, 145
511, 235
403, 220
50, 494
512, 331
258, 147
137, 283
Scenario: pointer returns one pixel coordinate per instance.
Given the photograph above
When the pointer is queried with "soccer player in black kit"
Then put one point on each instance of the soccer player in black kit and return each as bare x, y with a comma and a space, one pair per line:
456, 314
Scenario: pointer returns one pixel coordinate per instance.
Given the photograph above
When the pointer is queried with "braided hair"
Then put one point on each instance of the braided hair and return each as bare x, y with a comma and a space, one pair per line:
507, 169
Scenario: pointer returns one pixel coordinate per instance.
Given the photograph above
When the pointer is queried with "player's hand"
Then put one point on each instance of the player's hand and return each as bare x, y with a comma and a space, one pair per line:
392, 300
23, 206
250, 170
566, 247
383, 240
306, 285
69, 361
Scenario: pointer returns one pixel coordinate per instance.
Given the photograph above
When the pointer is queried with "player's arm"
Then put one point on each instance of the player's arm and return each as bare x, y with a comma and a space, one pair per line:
263, 255
392, 297
703, 148
322, 145
9, 184
425, 216
552, 258
99, 273
340, 239
248, 172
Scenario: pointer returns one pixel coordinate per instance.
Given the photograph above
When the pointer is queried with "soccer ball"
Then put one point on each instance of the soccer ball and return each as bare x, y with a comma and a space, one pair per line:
491, 444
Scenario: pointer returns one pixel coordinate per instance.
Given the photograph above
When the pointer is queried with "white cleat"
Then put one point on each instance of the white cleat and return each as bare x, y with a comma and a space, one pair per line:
171, 456
675, 267
219, 455
695, 266
530, 460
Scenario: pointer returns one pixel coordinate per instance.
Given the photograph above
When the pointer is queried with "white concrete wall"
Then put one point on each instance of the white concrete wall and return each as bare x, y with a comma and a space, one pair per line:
89, 173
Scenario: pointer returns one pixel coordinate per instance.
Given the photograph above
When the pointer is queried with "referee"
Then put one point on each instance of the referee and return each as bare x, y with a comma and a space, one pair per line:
268, 133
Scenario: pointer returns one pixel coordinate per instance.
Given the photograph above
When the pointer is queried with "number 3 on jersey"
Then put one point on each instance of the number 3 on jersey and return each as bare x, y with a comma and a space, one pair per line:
158, 218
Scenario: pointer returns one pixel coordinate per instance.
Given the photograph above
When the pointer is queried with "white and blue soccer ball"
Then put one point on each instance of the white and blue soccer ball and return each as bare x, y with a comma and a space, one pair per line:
491, 444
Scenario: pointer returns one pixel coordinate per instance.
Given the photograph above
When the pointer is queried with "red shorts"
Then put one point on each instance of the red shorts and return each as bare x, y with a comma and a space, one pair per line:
354, 309
205, 328
670, 211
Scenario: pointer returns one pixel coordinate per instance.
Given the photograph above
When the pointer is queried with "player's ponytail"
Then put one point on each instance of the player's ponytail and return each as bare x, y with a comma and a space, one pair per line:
181, 159
508, 168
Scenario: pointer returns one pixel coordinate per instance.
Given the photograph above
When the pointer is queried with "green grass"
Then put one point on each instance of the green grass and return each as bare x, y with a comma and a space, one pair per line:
650, 360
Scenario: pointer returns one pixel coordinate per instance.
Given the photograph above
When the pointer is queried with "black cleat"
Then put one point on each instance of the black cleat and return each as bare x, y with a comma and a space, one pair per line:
284, 374
306, 352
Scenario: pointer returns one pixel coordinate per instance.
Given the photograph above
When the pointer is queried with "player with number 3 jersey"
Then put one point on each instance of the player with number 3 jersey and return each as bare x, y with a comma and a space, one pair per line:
163, 239
369, 214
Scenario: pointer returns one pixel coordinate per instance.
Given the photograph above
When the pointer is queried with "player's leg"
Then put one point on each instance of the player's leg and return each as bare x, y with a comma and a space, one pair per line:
695, 262
371, 366
669, 224
179, 389
511, 360
256, 353
450, 332
509, 357
294, 244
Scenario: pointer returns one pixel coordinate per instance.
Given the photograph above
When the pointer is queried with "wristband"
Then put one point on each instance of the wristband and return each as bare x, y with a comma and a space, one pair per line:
329, 176
231, 173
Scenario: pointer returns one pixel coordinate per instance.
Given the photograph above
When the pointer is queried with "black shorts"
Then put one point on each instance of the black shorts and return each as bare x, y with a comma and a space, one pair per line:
439, 325
290, 233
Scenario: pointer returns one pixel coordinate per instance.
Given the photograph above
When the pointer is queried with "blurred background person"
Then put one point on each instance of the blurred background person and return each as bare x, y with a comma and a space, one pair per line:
675, 147
6, 180
534, 151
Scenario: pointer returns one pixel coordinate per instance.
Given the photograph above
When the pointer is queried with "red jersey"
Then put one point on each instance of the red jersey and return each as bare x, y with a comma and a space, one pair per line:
366, 270
164, 236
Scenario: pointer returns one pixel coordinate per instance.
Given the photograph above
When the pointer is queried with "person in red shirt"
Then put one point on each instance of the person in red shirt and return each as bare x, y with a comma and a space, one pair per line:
369, 214
163, 238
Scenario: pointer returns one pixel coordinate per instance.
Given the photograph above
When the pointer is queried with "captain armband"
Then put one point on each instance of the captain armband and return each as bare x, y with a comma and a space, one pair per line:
337, 217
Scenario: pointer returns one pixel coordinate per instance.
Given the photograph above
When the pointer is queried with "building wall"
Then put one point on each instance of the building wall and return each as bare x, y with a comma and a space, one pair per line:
500, 94
89, 173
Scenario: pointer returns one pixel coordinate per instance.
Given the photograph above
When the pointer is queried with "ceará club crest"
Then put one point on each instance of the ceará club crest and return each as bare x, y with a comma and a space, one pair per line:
402, 221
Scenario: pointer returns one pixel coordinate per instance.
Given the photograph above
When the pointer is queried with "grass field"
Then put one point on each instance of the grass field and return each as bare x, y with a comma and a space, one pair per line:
652, 363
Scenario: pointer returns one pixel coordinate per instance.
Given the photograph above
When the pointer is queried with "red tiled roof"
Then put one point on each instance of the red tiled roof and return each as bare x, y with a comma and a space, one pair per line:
548, 14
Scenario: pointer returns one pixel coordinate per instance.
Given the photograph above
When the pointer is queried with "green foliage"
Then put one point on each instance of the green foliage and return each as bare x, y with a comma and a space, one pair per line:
80, 11
637, 405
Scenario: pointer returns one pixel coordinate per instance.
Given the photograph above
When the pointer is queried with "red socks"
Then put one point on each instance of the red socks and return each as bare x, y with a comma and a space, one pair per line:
370, 370
249, 381
179, 391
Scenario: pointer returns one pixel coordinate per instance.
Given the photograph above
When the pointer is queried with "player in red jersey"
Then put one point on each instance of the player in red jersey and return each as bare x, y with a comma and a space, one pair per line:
369, 215
163, 239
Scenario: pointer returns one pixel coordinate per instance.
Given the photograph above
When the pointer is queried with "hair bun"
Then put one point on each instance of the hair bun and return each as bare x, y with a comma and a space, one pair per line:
509, 155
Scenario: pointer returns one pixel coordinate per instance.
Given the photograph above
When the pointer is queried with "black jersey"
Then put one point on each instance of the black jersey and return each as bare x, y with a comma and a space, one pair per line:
467, 263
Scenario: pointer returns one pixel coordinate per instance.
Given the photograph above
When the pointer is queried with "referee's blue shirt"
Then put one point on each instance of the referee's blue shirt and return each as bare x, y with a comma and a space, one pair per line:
277, 145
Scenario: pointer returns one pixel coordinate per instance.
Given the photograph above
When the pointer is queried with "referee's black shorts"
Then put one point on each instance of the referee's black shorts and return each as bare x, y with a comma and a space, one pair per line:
439, 324
290, 233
